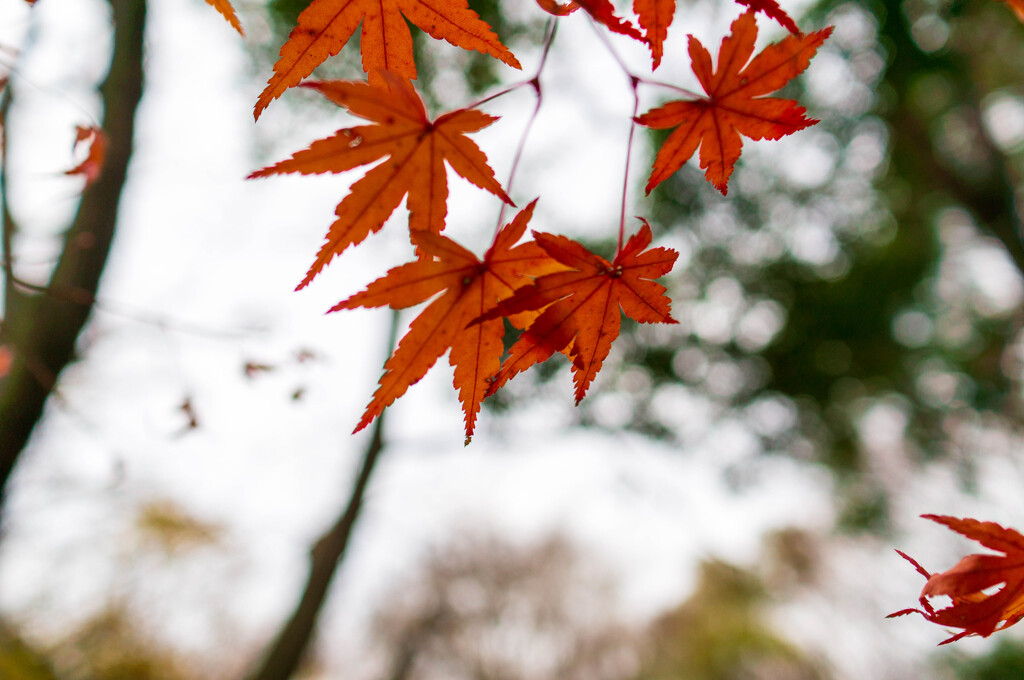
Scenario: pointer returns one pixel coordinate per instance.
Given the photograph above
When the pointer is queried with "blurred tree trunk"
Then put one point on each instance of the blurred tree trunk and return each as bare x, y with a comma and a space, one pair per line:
286, 652
41, 326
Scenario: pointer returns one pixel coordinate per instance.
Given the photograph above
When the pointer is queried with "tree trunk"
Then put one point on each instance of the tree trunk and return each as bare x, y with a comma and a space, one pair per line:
41, 327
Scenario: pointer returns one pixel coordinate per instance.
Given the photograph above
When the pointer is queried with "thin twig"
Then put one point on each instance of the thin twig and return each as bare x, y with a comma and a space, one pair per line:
12, 70
657, 83
81, 296
629, 153
634, 85
535, 83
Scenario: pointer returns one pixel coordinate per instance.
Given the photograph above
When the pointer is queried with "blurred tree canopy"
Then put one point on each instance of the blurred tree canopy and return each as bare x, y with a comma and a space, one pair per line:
870, 270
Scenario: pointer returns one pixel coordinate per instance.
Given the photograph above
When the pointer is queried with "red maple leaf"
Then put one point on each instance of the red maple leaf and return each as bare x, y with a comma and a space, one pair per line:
604, 13
326, 25
772, 10
558, 9
733, 105
655, 16
972, 609
94, 140
471, 287
582, 305
416, 147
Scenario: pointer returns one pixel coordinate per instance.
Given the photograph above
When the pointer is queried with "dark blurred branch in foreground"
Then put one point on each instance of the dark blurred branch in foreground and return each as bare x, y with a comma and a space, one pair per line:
286, 652
42, 329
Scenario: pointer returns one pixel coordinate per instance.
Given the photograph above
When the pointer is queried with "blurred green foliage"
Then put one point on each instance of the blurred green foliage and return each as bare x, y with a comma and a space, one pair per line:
839, 296
718, 633
1005, 662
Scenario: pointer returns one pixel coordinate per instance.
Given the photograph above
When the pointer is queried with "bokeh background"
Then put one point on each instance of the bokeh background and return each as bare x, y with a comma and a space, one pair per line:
723, 505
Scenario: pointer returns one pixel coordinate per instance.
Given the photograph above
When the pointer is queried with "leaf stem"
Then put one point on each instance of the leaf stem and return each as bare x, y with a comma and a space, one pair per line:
81, 296
522, 83
669, 86
534, 82
634, 82
634, 85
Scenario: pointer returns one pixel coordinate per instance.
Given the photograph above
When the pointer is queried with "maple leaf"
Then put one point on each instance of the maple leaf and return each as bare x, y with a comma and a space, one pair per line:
417, 149
772, 10
1017, 7
604, 13
6, 359
228, 12
655, 16
733, 105
972, 609
471, 287
558, 9
326, 25
95, 141
582, 305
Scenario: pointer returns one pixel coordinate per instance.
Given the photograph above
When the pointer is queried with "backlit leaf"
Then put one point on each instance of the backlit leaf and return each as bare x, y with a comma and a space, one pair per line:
974, 610
228, 12
416, 149
734, 104
582, 305
655, 16
772, 10
470, 287
326, 25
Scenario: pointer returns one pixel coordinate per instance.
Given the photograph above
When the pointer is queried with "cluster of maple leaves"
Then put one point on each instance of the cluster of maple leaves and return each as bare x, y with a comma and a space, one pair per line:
563, 297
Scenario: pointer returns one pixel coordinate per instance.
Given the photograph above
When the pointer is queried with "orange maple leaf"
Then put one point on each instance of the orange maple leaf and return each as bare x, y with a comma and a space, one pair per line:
581, 305
655, 16
6, 359
416, 147
1017, 7
772, 10
95, 140
733, 105
326, 25
471, 287
972, 609
228, 12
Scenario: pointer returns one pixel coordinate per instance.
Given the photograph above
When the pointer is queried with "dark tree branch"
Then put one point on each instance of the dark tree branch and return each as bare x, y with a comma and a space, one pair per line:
42, 329
7, 226
287, 650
